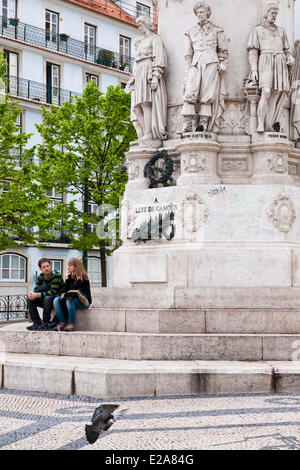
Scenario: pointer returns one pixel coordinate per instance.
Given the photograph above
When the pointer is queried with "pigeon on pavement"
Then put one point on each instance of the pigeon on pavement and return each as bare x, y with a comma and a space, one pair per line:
103, 418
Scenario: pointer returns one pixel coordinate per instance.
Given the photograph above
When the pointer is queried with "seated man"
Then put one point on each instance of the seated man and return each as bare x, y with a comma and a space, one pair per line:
49, 284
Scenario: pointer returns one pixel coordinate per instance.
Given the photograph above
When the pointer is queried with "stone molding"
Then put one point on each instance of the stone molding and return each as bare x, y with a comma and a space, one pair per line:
282, 213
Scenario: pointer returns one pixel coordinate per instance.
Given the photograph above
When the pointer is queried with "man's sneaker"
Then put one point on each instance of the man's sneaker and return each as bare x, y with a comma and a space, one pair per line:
51, 325
46, 326
34, 327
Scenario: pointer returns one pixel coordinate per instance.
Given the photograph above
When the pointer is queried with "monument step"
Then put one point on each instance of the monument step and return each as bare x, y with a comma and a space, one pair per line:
107, 378
218, 320
151, 346
161, 297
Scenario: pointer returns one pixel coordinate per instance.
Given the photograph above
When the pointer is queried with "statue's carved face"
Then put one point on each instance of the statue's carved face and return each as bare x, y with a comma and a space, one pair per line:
142, 27
272, 15
202, 14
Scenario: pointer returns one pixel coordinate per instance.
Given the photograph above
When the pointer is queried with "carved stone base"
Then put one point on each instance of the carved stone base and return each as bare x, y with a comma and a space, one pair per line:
270, 152
136, 160
199, 152
222, 235
153, 144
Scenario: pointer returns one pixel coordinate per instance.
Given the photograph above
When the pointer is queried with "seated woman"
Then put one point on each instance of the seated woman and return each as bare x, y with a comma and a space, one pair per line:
76, 294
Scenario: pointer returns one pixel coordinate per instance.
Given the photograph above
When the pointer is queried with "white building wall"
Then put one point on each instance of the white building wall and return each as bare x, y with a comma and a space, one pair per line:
32, 66
108, 80
72, 78
31, 118
72, 20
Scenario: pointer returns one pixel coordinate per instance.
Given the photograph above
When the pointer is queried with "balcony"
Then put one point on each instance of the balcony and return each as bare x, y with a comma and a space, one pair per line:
38, 92
14, 29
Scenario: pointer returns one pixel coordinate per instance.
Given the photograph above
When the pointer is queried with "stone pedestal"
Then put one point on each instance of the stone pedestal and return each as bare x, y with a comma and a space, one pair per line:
199, 153
136, 159
270, 158
225, 235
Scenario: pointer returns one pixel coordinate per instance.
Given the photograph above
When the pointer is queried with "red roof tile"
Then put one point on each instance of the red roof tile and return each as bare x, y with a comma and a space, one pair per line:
106, 7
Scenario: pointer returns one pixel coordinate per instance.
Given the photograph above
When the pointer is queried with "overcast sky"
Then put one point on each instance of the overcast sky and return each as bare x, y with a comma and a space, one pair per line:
297, 19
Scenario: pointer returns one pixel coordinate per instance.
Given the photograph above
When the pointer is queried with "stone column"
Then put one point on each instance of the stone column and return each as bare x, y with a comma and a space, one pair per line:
253, 96
270, 158
199, 154
136, 159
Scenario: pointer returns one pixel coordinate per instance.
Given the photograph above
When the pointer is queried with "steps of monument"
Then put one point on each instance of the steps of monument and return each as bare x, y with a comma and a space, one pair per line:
161, 297
171, 320
107, 378
151, 346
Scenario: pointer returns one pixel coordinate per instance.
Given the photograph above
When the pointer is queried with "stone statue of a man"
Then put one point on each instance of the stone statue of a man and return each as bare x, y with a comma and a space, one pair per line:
269, 59
147, 85
206, 58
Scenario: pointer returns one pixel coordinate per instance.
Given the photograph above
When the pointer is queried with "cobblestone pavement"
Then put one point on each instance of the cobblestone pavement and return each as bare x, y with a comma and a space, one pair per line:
41, 421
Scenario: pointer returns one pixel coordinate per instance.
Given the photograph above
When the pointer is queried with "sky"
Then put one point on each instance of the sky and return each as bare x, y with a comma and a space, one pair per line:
297, 19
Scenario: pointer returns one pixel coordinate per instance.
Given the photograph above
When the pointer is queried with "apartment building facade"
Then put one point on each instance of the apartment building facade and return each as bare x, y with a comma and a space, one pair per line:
53, 49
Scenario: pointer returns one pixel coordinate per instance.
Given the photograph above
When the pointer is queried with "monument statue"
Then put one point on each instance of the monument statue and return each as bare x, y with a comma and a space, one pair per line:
147, 85
270, 60
295, 98
206, 58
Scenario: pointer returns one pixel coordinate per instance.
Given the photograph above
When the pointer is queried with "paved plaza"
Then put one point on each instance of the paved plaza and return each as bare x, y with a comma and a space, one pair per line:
41, 421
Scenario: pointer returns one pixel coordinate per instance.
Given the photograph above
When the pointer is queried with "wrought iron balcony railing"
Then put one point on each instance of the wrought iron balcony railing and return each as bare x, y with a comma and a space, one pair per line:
13, 307
14, 29
35, 91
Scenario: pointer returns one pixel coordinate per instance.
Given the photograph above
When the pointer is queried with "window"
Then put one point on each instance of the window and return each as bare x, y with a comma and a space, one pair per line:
57, 265
55, 198
54, 194
92, 78
92, 209
89, 40
5, 186
53, 84
11, 71
12, 267
9, 10
123, 85
51, 26
125, 46
142, 10
17, 151
94, 269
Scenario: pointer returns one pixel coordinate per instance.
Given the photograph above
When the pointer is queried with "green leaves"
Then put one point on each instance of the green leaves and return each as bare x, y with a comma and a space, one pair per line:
83, 153
21, 198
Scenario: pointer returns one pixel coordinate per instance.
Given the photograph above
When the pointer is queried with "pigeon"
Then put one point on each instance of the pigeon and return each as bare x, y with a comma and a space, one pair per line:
103, 418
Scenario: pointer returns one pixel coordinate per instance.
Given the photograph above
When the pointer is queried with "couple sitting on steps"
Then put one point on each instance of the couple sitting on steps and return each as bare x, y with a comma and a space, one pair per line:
51, 291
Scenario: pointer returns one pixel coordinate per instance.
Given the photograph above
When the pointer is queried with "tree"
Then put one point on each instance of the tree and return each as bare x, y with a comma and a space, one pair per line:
84, 142
22, 200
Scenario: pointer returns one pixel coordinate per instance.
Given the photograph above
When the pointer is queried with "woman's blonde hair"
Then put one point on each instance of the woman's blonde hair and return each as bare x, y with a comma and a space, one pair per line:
79, 271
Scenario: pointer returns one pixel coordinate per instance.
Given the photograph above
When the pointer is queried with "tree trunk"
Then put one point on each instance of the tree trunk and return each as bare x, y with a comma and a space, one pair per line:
103, 263
85, 210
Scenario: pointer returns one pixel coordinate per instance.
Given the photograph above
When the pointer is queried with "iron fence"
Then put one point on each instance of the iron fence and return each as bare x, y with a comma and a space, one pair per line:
13, 307
13, 29
39, 92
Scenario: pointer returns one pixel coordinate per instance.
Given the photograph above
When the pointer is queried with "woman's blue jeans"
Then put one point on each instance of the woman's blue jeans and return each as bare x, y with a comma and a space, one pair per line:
72, 305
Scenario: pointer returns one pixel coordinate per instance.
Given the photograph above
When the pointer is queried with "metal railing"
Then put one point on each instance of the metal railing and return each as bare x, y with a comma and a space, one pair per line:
39, 92
13, 307
63, 43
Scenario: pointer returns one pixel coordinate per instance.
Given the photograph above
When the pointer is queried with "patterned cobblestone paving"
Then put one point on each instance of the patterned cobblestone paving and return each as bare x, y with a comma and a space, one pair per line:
31, 421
